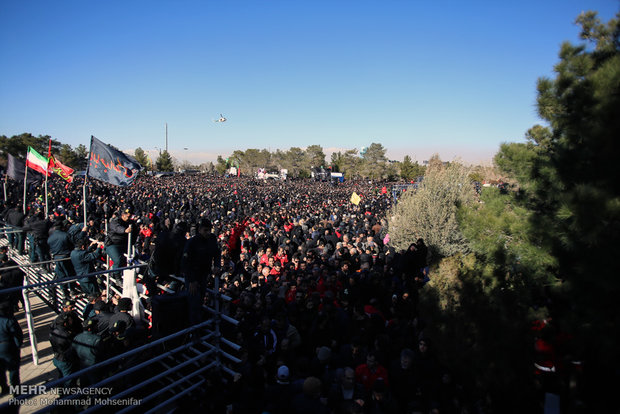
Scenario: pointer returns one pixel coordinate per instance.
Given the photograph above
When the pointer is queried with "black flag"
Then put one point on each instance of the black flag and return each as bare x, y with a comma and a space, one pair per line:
111, 165
16, 168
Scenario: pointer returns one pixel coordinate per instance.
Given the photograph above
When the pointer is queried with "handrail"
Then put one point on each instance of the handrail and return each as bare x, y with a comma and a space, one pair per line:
217, 357
174, 384
11, 231
176, 397
60, 381
35, 263
162, 374
68, 279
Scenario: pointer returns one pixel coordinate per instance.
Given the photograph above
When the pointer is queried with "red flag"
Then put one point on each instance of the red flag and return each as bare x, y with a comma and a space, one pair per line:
62, 170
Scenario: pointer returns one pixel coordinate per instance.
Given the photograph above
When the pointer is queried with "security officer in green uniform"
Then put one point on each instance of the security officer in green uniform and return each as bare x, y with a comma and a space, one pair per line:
88, 347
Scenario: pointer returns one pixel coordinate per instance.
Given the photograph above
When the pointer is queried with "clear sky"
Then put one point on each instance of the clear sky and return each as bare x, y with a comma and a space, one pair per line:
453, 77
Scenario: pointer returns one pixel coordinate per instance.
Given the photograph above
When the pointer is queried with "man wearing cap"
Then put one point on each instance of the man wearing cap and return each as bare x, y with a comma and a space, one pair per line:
201, 254
117, 238
102, 318
87, 345
121, 313
278, 396
62, 331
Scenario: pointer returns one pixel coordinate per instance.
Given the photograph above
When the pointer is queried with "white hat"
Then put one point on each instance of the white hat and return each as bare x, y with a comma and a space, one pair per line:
283, 374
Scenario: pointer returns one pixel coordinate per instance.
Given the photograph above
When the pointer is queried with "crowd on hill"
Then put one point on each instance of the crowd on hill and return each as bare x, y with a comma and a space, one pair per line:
327, 307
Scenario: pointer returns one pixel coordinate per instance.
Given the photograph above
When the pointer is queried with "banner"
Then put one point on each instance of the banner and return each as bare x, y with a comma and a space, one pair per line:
37, 161
16, 169
111, 165
66, 173
355, 199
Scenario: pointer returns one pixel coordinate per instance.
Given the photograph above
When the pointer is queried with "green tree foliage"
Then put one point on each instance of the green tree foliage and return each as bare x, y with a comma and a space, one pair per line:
252, 159
336, 161
374, 163
222, 165
348, 163
17, 145
481, 326
207, 167
141, 157
82, 154
578, 195
500, 233
315, 157
68, 156
557, 234
294, 161
481, 303
431, 211
410, 170
164, 162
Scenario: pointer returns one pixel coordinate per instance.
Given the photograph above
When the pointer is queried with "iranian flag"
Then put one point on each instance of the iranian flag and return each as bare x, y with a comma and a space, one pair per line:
37, 162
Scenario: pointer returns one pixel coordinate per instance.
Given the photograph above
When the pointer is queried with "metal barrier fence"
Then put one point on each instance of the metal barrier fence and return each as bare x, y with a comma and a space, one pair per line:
149, 378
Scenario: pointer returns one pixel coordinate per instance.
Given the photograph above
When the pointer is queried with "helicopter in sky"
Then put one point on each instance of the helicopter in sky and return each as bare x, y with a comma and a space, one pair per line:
221, 119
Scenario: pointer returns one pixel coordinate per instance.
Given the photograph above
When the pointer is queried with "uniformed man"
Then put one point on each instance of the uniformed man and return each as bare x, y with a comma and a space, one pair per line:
62, 331
60, 247
83, 259
88, 348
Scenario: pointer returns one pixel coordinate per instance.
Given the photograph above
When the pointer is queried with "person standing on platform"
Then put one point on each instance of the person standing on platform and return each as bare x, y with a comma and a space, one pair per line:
117, 239
39, 227
83, 259
201, 254
60, 247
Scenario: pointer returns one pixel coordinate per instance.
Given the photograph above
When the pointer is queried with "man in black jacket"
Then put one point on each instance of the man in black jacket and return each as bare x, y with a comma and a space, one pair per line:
39, 227
60, 246
116, 242
62, 331
102, 318
201, 254
15, 218
11, 338
12, 277
83, 258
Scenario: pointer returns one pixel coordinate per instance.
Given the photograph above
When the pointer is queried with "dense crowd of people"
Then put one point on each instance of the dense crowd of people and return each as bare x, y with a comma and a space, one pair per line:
327, 307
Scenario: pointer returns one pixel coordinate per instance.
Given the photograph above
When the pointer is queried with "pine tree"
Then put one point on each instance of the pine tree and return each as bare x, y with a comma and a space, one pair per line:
164, 162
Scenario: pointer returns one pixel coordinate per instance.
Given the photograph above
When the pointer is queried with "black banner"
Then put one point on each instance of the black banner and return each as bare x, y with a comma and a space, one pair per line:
111, 165
16, 168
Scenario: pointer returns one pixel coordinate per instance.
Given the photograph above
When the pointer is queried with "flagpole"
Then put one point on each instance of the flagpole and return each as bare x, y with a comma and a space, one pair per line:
86, 179
47, 172
84, 195
6, 178
25, 184
46, 194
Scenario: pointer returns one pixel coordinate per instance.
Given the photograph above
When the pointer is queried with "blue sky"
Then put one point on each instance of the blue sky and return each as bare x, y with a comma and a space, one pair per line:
449, 77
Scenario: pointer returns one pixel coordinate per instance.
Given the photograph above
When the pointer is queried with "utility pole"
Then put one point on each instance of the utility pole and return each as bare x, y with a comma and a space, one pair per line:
166, 137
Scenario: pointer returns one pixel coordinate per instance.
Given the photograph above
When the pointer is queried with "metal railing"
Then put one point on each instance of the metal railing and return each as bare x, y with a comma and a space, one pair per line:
190, 360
